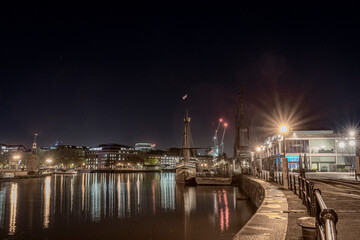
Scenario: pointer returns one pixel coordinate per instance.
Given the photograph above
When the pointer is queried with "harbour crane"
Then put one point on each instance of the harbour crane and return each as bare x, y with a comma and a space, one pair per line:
222, 139
216, 147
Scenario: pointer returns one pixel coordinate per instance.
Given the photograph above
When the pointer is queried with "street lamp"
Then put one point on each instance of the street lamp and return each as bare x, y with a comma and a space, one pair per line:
48, 160
285, 168
258, 149
284, 129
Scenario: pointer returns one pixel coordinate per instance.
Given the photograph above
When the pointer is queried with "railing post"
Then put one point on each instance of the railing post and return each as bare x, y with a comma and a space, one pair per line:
329, 218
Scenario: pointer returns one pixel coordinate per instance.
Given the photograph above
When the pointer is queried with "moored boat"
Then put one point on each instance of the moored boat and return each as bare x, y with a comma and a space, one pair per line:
186, 170
185, 173
209, 180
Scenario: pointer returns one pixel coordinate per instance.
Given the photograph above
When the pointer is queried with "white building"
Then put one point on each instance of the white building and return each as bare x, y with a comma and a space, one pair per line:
324, 150
144, 147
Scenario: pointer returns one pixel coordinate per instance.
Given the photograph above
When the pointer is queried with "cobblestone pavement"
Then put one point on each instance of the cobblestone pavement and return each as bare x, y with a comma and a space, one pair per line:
344, 198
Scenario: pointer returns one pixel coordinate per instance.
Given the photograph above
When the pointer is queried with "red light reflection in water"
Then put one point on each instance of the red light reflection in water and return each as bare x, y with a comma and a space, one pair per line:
223, 208
153, 193
226, 210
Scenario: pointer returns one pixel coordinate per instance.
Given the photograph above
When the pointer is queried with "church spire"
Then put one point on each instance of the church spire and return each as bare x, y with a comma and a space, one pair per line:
241, 106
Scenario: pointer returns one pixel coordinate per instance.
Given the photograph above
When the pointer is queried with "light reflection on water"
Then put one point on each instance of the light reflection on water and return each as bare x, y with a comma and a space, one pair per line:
47, 195
86, 204
13, 208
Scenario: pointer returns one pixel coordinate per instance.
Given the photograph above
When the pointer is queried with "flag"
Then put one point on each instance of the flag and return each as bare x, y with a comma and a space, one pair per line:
184, 97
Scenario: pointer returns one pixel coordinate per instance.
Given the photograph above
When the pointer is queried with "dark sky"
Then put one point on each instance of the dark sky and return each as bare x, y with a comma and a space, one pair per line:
90, 73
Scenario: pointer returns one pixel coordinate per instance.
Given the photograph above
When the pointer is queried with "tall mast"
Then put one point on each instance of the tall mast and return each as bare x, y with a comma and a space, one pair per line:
186, 131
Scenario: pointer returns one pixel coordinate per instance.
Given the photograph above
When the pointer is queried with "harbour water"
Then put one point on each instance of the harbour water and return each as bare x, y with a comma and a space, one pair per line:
118, 206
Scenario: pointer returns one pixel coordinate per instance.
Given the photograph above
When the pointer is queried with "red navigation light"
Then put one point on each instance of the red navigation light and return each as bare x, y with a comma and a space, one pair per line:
220, 119
225, 124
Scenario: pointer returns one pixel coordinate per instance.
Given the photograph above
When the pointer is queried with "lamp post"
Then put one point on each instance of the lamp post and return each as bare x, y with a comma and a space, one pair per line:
15, 162
48, 161
284, 129
352, 143
357, 161
284, 161
258, 165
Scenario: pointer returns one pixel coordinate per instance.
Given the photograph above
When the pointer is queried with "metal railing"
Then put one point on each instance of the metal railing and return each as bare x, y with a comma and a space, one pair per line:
326, 218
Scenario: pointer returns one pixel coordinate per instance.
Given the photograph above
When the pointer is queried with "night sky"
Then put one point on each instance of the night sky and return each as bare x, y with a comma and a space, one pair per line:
89, 73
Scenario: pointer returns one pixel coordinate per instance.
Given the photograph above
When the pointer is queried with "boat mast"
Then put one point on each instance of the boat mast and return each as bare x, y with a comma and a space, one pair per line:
186, 132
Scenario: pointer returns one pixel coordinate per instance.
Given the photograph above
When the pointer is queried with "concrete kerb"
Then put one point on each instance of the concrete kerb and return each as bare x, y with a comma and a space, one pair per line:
271, 219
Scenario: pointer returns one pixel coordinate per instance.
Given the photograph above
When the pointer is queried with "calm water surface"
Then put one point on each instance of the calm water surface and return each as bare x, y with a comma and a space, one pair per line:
118, 206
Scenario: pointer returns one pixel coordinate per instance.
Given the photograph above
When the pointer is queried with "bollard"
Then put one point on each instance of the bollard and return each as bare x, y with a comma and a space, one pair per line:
308, 227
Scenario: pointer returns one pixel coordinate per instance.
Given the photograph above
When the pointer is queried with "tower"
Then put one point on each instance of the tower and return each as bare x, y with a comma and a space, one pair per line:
34, 146
33, 160
241, 146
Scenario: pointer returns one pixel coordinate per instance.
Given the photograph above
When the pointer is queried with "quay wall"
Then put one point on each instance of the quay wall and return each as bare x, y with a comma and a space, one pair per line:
271, 218
251, 189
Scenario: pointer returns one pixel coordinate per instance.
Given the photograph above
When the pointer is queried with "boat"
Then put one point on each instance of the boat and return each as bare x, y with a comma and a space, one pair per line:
186, 170
7, 175
185, 173
213, 179
70, 171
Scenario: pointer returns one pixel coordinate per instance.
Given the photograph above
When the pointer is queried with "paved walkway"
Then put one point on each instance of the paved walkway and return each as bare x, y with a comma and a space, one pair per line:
296, 211
332, 175
270, 220
341, 192
344, 198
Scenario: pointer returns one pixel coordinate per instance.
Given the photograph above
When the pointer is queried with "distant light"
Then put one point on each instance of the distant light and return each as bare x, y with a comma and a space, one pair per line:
48, 160
258, 149
220, 120
352, 143
283, 128
352, 133
16, 157
225, 124
341, 144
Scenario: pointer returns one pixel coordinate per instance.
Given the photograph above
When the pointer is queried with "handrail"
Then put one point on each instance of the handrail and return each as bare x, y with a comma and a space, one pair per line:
326, 218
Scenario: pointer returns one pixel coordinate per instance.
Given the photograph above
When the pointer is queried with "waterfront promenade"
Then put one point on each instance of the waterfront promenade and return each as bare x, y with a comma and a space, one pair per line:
339, 191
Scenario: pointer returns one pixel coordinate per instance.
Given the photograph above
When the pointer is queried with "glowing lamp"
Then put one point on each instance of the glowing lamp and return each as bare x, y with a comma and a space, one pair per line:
352, 133
220, 120
48, 160
258, 149
341, 144
352, 143
283, 128
16, 157
225, 124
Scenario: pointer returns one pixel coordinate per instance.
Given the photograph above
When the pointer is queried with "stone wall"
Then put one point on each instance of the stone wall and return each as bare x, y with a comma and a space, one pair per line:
271, 219
253, 190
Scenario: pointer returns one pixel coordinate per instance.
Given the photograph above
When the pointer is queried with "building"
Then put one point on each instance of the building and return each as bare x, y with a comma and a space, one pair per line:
11, 155
241, 145
166, 159
319, 150
144, 147
109, 156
